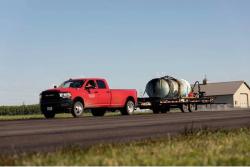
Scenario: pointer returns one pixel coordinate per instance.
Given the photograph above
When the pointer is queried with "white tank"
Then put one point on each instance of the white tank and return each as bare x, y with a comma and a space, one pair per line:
157, 88
168, 87
185, 88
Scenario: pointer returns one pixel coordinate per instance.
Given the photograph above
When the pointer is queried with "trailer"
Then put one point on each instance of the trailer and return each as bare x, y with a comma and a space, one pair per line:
158, 105
185, 104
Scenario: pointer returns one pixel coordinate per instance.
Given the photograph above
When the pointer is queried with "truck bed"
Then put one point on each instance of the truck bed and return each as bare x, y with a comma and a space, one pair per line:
119, 96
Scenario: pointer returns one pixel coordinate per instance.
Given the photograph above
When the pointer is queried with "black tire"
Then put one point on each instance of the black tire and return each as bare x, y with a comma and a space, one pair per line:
77, 109
165, 110
191, 107
156, 109
129, 108
49, 114
98, 112
184, 108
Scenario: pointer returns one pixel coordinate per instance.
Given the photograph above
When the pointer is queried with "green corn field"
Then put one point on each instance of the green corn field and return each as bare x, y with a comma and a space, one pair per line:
20, 110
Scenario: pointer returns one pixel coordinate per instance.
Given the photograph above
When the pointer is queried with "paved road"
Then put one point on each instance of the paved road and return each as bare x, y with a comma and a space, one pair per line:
46, 135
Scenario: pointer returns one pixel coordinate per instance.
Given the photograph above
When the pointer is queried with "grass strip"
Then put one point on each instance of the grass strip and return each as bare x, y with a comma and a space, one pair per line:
198, 148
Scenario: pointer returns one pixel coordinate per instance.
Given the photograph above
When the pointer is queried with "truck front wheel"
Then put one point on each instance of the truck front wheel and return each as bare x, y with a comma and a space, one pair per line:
129, 108
77, 109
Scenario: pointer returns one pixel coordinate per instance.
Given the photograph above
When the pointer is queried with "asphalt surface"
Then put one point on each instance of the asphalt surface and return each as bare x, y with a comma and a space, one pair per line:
48, 135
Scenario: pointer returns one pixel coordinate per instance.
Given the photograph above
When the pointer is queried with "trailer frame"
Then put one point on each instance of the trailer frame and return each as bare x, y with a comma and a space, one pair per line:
163, 105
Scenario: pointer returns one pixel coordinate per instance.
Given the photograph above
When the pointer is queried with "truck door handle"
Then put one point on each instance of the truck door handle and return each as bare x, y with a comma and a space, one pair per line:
95, 91
108, 92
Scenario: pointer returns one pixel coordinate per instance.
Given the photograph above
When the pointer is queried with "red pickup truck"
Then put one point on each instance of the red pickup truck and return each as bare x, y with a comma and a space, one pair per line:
76, 95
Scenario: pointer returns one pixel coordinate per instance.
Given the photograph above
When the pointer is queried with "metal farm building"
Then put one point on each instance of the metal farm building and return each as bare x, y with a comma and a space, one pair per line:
235, 94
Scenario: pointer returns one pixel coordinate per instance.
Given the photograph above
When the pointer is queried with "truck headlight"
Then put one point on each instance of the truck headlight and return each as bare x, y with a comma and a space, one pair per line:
65, 95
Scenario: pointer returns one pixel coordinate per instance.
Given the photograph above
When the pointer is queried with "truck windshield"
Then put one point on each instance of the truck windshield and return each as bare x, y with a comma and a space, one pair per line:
72, 84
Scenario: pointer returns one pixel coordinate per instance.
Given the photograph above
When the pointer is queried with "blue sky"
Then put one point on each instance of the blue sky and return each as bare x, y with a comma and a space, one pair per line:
44, 42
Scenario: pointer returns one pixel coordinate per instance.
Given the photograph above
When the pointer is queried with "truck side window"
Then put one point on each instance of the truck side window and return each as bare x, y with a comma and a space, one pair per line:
101, 84
91, 83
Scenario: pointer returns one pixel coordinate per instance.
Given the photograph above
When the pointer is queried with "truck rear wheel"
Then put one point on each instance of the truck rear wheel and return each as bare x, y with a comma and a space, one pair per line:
98, 112
129, 108
77, 109
49, 114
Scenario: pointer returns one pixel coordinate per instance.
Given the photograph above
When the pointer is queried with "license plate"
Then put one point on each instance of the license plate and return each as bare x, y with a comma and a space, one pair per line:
49, 108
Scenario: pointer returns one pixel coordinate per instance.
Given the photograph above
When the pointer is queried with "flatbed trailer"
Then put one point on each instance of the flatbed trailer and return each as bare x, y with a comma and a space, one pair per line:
163, 105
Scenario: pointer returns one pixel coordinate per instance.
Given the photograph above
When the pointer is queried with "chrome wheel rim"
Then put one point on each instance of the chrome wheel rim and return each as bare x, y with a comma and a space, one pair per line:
185, 108
78, 108
192, 108
130, 107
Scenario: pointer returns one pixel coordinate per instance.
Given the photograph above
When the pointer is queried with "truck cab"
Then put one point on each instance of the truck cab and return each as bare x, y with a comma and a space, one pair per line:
76, 95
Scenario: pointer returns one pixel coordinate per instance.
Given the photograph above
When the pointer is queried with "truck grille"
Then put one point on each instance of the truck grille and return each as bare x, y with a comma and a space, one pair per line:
50, 97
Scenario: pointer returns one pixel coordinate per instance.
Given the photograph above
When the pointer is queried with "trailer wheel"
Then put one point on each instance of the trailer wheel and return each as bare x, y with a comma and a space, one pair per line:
155, 108
191, 107
165, 110
184, 108
98, 112
129, 108
77, 109
156, 111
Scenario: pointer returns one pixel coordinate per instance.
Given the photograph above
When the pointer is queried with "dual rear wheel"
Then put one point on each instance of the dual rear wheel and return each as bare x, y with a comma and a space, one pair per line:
129, 108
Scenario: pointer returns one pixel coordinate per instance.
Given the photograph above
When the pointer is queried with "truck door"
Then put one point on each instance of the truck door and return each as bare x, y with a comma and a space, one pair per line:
103, 94
91, 89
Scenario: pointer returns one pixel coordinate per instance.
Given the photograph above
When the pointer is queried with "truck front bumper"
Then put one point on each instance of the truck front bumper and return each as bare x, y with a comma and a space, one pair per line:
59, 106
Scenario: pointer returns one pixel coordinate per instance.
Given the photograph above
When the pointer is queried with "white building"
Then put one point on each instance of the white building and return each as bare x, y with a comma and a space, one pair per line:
233, 94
